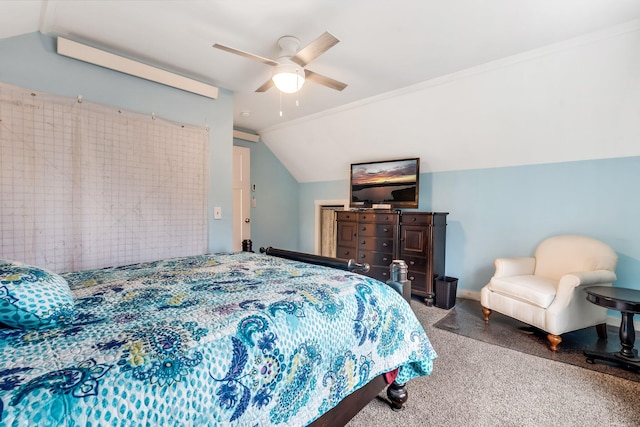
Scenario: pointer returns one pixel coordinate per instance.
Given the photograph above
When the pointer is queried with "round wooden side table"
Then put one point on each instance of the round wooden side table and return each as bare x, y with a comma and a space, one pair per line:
627, 302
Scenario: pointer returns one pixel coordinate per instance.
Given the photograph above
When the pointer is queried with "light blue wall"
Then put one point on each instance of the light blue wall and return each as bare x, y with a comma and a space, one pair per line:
507, 211
31, 61
274, 220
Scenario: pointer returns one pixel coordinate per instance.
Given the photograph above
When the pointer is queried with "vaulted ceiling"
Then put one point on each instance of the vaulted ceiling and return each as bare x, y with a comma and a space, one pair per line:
385, 45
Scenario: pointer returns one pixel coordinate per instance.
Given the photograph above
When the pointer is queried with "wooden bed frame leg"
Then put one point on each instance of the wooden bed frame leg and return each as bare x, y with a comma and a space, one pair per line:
397, 394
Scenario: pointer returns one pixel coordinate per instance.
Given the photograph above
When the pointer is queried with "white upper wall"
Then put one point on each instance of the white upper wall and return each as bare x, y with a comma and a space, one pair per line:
384, 45
575, 100
20, 17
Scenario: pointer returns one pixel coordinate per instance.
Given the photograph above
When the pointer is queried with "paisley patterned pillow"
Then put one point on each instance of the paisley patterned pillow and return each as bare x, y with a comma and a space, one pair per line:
32, 297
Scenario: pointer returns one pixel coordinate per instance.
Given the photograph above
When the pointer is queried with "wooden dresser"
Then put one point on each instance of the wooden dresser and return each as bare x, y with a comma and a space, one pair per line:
369, 236
379, 237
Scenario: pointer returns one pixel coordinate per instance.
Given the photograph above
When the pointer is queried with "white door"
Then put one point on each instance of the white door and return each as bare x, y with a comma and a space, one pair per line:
241, 196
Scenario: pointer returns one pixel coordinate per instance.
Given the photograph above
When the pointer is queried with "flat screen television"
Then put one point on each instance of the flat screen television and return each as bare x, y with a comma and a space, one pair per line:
385, 184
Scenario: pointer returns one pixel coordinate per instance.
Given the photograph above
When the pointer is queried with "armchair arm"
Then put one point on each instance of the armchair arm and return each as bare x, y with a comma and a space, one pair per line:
514, 266
589, 278
569, 282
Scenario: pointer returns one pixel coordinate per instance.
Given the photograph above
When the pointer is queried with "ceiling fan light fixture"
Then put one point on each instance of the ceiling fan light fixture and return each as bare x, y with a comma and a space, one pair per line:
288, 78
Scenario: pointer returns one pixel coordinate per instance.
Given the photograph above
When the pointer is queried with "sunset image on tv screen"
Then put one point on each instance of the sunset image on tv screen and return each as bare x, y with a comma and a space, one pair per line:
382, 182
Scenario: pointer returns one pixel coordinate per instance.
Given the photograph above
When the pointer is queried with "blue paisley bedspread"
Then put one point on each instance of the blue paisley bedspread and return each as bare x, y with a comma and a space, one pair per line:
226, 339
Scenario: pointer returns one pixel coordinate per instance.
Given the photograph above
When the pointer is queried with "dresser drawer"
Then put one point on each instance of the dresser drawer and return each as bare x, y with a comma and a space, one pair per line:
379, 273
376, 230
346, 252
375, 244
384, 217
375, 258
416, 219
414, 262
418, 282
346, 216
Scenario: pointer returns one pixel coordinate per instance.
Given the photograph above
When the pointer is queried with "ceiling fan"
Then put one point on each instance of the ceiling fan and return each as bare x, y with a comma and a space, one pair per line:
290, 64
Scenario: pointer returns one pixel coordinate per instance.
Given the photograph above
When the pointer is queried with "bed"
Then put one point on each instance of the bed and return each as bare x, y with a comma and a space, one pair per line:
238, 339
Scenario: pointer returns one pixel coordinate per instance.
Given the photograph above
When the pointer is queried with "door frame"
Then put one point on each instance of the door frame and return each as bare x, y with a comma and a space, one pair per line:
319, 204
238, 217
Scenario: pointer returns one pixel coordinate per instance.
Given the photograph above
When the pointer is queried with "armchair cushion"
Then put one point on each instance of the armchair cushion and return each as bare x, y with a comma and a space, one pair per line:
531, 289
560, 255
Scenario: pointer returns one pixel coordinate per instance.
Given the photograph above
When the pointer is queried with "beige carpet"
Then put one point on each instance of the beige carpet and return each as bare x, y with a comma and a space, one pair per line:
475, 383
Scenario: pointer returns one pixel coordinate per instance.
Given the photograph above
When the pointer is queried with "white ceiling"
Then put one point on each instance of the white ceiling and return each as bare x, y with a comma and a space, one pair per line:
385, 45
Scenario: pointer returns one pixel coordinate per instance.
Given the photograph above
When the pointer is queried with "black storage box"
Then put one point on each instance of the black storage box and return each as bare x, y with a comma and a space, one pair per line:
446, 288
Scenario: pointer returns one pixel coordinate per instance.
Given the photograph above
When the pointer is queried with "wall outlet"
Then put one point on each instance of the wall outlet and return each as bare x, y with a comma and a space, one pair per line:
217, 212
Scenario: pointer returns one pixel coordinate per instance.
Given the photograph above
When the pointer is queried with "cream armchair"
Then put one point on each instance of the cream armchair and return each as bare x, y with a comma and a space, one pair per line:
546, 291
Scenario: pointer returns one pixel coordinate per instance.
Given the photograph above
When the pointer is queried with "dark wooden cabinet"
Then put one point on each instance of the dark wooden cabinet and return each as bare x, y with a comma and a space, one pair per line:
377, 238
423, 237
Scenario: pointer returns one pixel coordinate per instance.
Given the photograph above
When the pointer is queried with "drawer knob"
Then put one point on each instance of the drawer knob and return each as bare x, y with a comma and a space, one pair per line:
412, 262
385, 244
364, 228
363, 256
386, 230
363, 242
412, 278
414, 219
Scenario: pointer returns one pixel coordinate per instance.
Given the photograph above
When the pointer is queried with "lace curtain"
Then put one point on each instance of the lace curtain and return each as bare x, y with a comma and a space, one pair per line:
86, 186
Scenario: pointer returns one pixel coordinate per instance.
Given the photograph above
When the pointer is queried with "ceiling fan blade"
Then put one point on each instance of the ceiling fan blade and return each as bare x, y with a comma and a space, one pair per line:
324, 80
315, 49
246, 54
265, 86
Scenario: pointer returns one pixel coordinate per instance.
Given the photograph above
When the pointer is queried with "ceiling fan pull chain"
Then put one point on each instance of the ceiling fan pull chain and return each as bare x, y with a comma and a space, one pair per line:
280, 93
298, 87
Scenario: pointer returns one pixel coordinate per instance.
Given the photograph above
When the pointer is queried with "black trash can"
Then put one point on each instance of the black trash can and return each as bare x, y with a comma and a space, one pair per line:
446, 288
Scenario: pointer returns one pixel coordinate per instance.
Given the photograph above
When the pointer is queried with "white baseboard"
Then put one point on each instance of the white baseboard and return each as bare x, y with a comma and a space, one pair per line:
473, 295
